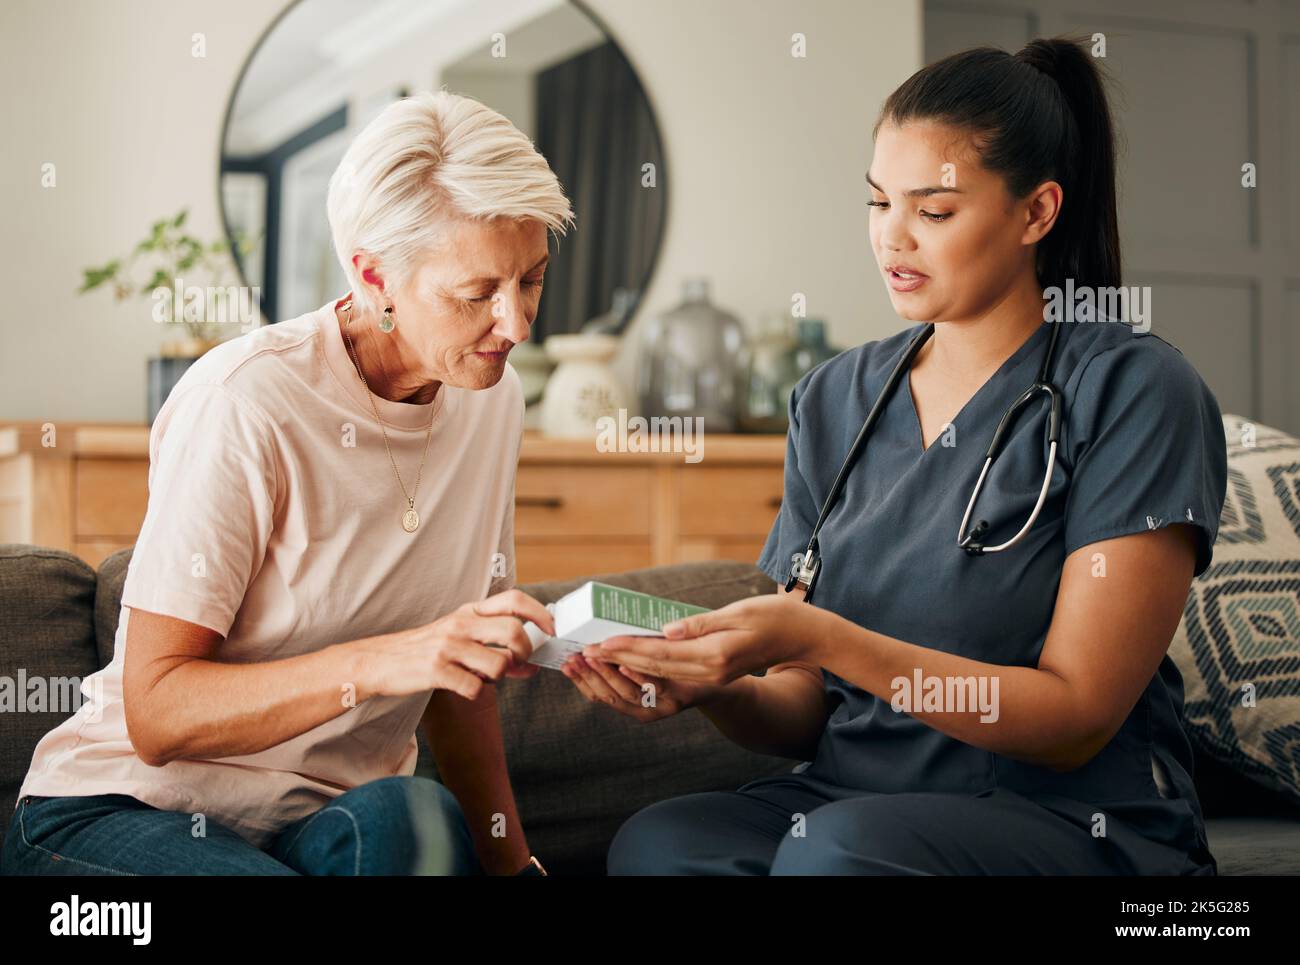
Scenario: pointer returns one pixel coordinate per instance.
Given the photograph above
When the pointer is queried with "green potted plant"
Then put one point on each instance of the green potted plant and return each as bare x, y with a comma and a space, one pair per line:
168, 259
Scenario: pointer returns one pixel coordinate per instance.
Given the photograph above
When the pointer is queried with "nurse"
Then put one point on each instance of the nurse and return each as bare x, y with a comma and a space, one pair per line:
1010, 712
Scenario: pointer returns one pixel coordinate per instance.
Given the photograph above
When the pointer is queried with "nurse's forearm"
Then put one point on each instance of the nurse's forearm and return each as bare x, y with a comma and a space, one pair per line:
781, 714
1020, 712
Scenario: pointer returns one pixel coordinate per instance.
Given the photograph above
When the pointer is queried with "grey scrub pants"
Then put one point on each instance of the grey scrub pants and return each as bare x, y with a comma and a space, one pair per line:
756, 831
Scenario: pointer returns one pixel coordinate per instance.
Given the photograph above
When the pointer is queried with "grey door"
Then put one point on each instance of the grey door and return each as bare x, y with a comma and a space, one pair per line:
1203, 88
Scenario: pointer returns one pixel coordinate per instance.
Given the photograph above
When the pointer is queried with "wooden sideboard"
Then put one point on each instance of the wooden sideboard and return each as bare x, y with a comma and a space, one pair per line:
577, 511
85, 493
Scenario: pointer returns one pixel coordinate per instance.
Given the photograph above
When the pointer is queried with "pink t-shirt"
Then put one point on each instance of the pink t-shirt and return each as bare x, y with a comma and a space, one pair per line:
275, 519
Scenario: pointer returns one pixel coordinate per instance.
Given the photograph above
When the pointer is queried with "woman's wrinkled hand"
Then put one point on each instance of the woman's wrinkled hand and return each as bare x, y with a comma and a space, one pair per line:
477, 642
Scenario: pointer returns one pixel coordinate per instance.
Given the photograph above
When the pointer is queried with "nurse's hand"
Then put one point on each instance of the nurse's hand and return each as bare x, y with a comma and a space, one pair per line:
714, 648
636, 695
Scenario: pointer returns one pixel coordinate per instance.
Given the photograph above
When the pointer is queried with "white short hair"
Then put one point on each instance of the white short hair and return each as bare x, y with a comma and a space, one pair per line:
423, 160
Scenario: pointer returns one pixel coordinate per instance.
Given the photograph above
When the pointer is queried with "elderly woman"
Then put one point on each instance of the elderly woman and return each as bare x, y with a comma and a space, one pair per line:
327, 554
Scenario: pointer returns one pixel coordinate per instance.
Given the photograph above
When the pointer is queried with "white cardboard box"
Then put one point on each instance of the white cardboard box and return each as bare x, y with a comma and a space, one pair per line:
597, 611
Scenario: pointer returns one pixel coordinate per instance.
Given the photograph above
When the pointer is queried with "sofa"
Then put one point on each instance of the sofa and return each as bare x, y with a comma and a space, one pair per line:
578, 770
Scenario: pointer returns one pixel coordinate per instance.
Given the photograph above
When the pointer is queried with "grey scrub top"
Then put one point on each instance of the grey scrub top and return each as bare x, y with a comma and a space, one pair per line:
1142, 446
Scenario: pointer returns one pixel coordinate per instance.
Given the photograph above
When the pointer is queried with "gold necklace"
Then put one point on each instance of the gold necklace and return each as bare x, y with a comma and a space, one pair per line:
410, 518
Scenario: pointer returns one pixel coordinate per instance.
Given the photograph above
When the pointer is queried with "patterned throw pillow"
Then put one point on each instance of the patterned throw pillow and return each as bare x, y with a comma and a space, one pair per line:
1238, 645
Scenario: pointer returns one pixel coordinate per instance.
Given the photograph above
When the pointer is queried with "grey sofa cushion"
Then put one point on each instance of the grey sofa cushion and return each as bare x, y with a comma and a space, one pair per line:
579, 770
46, 632
1255, 845
1238, 634
1225, 792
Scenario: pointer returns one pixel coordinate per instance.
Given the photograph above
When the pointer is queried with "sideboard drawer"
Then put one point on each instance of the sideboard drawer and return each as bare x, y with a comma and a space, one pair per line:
112, 496
729, 500
535, 562
582, 500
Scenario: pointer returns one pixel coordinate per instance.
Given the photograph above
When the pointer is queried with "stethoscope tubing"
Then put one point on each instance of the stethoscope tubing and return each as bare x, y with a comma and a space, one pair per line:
807, 571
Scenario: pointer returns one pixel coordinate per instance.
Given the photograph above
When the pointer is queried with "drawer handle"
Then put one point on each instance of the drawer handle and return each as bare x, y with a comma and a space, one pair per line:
542, 502
775, 502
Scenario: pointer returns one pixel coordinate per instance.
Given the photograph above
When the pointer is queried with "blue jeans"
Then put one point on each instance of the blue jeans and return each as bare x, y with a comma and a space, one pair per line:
391, 826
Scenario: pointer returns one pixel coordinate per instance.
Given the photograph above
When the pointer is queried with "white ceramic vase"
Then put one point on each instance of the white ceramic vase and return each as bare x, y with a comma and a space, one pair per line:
583, 388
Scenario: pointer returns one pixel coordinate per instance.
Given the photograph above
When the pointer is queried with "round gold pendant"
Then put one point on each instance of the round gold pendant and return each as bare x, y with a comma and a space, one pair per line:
410, 520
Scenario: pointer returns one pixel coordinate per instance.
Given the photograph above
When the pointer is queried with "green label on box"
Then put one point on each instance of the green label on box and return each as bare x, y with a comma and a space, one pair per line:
637, 609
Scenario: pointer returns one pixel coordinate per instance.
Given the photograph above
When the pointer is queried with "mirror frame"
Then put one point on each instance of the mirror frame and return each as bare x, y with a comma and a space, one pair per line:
324, 122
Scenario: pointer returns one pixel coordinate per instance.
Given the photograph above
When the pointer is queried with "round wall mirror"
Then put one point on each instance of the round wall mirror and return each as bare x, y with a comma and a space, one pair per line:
324, 68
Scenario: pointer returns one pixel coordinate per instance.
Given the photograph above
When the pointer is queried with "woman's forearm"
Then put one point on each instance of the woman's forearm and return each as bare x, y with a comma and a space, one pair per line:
782, 713
200, 708
1021, 712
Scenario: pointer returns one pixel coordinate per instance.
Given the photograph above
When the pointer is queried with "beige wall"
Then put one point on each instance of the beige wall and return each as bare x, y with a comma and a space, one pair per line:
765, 152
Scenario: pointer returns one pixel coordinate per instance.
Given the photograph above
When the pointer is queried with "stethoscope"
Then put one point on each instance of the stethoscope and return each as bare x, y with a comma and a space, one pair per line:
807, 569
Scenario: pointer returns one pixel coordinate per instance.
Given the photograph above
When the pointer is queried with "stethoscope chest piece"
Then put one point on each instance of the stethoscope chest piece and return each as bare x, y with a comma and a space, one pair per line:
804, 572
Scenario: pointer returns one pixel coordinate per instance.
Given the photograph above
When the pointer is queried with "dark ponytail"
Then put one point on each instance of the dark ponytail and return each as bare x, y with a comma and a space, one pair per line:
1037, 115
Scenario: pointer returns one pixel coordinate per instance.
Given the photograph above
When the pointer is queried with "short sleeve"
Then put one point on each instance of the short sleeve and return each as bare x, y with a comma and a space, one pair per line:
794, 522
1148, 448
504, 572
503, 564
212, 496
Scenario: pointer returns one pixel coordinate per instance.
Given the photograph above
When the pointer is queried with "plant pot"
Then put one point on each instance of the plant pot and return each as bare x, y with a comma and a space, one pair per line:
163, 374
189, 347
175, 356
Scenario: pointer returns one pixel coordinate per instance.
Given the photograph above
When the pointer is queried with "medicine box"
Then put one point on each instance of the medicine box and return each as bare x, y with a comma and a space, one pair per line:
597, 611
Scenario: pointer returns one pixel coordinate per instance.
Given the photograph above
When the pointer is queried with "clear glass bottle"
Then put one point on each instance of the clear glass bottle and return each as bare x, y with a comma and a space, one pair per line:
622, 305
811, 349
766, 369
687, 365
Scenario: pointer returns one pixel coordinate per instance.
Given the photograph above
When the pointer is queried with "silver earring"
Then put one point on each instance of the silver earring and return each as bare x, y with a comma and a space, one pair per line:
386, 324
